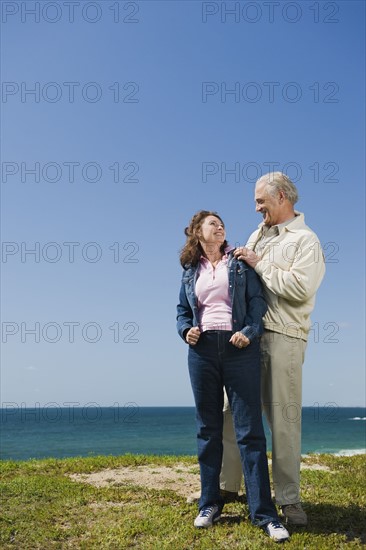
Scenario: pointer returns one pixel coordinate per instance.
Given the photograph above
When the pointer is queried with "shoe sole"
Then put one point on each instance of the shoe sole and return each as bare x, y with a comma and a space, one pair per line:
278, 540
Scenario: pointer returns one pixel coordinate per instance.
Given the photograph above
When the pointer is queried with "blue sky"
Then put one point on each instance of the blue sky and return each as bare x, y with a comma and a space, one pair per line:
141, 114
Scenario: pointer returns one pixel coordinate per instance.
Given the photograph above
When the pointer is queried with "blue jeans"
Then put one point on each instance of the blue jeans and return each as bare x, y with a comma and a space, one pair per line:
214, 363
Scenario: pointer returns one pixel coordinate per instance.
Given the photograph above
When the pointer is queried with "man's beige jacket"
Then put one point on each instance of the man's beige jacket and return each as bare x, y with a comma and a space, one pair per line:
291, 268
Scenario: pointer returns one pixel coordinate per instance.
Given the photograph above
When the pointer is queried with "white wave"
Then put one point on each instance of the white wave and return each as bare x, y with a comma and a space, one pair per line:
358, 418
350, 452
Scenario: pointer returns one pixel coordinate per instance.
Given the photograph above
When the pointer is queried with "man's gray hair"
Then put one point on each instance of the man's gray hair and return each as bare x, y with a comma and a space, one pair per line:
277, 181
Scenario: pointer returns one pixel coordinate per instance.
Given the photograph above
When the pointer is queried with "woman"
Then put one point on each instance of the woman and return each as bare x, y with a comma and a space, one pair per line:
220, 316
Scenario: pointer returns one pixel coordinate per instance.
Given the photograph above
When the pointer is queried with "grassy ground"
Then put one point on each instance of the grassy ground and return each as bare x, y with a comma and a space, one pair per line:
42, 508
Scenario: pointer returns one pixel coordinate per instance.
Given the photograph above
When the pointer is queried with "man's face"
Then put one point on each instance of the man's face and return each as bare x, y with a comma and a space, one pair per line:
269, 206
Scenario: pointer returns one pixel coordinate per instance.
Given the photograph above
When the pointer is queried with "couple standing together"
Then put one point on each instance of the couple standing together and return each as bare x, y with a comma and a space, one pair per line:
245, 314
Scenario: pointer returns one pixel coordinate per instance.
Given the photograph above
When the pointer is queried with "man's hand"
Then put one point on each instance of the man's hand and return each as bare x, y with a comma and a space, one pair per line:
239, 340
193, 335
250, 257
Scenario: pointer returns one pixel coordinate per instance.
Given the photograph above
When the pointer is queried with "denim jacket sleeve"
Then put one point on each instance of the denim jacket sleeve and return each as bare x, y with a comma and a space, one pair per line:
184, 311
256, 305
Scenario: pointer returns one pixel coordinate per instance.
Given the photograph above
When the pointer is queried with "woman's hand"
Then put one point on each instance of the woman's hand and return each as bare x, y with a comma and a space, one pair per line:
192, 336
239, 340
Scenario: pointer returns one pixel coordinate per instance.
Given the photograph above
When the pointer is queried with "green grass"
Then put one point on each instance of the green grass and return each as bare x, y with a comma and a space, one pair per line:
42, 508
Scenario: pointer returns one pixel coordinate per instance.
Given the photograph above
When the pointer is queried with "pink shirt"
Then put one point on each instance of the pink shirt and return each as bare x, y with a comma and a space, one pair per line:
212, 291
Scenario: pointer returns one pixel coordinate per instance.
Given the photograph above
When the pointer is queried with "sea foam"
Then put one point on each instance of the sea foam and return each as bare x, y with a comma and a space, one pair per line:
350, 452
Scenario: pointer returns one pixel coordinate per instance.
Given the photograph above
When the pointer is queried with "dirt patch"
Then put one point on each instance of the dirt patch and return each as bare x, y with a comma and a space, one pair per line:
181, 479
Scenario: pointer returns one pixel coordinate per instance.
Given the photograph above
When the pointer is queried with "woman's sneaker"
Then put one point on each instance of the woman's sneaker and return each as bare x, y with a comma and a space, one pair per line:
276, 531
207, 515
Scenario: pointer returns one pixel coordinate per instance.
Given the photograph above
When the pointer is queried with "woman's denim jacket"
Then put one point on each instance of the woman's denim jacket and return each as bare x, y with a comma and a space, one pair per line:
247, 301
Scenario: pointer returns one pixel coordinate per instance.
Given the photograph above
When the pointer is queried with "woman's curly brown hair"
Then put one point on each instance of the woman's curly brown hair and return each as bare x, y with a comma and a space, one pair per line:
192, 250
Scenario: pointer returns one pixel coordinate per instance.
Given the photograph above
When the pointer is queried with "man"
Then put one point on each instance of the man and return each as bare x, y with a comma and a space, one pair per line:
286, 255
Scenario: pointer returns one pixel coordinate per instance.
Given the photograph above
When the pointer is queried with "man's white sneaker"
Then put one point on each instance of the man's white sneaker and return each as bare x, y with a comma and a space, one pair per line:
207, 516
276, 531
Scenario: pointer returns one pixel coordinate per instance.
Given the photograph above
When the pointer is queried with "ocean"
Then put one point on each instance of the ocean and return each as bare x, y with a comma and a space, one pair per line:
61, 432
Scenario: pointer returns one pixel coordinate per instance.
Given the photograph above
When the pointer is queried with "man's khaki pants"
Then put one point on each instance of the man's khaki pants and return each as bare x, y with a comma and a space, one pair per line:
282, 358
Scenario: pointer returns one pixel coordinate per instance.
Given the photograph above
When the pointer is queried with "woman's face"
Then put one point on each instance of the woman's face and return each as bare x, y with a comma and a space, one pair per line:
212, 231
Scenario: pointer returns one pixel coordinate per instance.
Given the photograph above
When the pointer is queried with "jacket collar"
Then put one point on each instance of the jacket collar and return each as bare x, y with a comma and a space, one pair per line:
229, 250
295, 224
